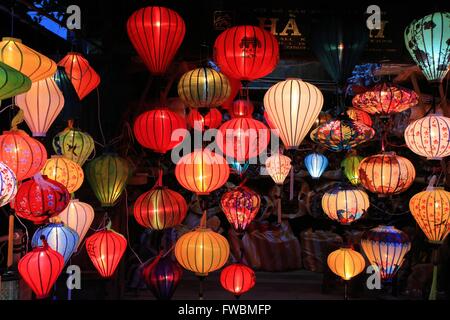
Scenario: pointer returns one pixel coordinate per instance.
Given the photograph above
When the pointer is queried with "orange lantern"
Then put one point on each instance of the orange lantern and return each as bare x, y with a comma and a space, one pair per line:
278, 167
346, 263
211, 120
65, 171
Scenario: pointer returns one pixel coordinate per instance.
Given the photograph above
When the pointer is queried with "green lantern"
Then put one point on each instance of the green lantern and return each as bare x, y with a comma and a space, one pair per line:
12, 82
74, 144
350, 167
107, 176
428, 42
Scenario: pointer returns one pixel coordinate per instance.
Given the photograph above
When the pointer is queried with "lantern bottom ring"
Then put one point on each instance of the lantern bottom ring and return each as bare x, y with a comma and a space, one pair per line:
39, 134
434, 158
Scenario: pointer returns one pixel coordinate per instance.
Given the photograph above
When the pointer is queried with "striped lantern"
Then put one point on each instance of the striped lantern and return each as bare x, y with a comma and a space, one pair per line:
8, 184
200, 122
65, 171
237, 278
346, 263
278, 166
74, 144
350, 167
12, 82
316, 163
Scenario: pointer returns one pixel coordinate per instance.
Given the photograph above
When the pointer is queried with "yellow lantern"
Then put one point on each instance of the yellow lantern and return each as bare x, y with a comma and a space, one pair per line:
65, 171
350, 167
346, 263
278, 167
31, 63
74, 144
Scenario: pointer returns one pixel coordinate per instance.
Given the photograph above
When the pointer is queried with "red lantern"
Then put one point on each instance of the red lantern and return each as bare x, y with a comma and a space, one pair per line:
246, 52
153, 129
240, 206
156, 33
236, 86
106, 248
41, 268
241, 109
211, 120
237, 278
359, 116
40, 198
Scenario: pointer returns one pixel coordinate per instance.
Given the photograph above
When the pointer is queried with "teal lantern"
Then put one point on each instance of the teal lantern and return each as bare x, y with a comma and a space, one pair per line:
12, 82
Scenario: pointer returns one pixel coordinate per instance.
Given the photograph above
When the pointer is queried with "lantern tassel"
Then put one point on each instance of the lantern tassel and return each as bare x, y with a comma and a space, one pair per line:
433, 291
291, 184
279, 209
18, 119
10, 241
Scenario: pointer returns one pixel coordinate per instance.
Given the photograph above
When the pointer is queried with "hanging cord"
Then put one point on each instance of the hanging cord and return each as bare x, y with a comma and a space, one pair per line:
12, 19
26, 231
99, 118
128, 231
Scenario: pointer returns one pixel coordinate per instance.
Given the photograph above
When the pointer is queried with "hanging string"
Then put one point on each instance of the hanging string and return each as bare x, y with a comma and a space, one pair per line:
12, 19
99, 118
26, 231
128, 231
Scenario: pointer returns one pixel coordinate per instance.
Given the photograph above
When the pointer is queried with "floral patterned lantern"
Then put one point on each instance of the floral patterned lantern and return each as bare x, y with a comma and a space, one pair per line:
316, 163
237, 278
12, 82
74, 144
8, 184
278, 166
65, 171
211, 120
359, 116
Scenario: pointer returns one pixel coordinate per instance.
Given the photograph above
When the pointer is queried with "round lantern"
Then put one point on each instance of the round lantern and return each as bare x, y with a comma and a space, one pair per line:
431, 210
65, 171
105, 249
8, 184
278, 166
385, 99
246, 52
59, 237
316, 163
31, 63
346, 263
241, 109
292, 107
240, 206
202, 171
350, 167
237, 278
153, 129
12, 82
156, 33
24, 155
429, 137
41, 268
107, 176
345, 204
162, 276
359, 116
386, 173
242, 138
427, 41
341, 135
40, 198
386, 247
78, 216
74, 144
204, 87
211, 120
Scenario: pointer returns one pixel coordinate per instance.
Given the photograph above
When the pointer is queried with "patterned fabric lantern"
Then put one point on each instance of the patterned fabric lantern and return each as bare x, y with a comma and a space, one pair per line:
65, 171
8, 184
105, 249
156, 33
345, 204
316, 163
350, 167
346, 263
429, 137
72, 104
24, 155
385, 99
292, 107
41, 268
31, 63
386, 173
12, 82
427, 40
359, 116
153, 129
278, 166
237, 278
211, 120
74, 144
241, 109
242, 138
59, 237
246, 52
107, 176
204, 87
240, 206
41, 105
202, 171
386, 247
40, 198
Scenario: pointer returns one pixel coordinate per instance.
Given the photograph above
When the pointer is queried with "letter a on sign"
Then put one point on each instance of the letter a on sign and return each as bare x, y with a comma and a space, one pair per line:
373, 22
74, 18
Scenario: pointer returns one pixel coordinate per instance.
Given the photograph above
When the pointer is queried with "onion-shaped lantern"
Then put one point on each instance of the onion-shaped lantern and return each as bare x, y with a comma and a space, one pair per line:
202, 171
386, 247
240, 206
246, 52
316, 163
74, 144
108, 176
386, 173
342, 135
241, 109
8, 184
153, 129
350, 167
237, 278
65, 171
359, 116
427, 40
12, 82
278, 166
346, 263
345, 204
292, 107
204, 87
200, 122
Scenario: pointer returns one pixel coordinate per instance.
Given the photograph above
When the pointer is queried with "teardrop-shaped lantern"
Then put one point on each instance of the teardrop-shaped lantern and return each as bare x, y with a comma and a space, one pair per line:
278, 166
240, 206
200, 122
12, 82
350, 167
8, 184
237, 278
72, 105
316, 163
346, 263
65, 171
74, 144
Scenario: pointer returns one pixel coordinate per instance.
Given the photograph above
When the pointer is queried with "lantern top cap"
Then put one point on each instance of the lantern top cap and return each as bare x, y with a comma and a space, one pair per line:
12, 39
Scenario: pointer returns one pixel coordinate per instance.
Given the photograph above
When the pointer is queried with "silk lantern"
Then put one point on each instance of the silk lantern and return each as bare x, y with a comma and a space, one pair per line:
74, 144
8, 184
292, 107
386, 247
346, 263
153, 129
156, 33
427, 40
107, 175
203, 87
316, 163
65, 171
241, 109
359, 116
278, 166
12, 82
350, 167
40, 269
237, 278
246, 52
105, 248
41, 105
386, 173
202, 171
31, 63
211, 120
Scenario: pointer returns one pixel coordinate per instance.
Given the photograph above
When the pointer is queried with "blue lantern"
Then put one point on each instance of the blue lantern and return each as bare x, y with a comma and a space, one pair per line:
59, 237
316, 163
